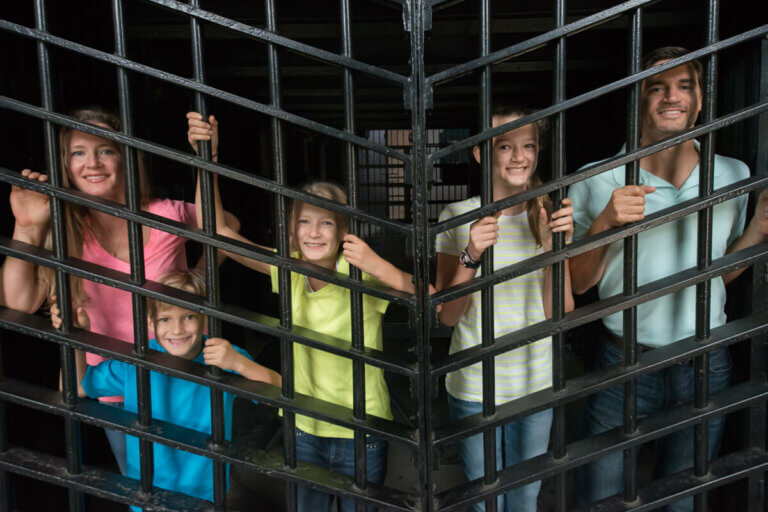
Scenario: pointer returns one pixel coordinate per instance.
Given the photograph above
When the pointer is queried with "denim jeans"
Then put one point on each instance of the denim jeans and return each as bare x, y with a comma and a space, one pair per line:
337, 455
670, 387
522, 439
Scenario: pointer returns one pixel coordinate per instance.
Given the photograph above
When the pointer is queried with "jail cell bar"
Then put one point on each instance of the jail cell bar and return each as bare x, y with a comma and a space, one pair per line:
427, 437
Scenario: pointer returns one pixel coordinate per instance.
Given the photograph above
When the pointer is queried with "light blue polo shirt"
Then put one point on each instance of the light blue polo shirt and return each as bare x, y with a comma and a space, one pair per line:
665, 249
174, 400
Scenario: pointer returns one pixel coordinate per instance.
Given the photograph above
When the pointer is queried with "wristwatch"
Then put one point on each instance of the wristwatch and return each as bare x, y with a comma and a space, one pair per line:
466, 261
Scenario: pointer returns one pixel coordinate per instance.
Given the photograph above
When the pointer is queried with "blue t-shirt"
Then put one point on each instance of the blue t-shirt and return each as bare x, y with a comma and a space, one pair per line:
174, 400
664, 250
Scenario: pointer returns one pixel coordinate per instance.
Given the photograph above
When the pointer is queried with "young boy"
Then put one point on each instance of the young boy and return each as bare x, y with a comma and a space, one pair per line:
178, 332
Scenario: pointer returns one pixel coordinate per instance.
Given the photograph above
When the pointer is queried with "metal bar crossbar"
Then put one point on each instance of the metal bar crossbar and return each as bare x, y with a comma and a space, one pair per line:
420, 163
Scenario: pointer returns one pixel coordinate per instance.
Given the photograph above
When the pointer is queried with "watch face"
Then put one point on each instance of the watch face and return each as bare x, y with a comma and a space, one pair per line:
466, 261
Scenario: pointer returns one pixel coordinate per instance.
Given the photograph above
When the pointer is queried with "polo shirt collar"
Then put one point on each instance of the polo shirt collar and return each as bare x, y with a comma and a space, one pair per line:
647, 178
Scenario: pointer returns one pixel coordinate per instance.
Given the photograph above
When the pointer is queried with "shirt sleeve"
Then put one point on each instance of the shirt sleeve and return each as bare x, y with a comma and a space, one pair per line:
447, 241
741, 173
583, 217
188, 214
369, 301
105, 379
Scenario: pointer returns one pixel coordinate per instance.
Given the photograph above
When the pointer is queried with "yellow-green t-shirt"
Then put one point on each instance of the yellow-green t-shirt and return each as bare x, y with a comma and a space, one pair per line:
327, 376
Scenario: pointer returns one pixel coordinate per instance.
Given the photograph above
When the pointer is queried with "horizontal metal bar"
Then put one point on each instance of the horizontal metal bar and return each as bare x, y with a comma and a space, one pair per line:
597, 92
586, 450
96, 482
199, 443
268, 36
589, 383
604, 307
192, 233
603, 166
655, 219
199, 373
192, 85
726, 469
535, 42
235, 315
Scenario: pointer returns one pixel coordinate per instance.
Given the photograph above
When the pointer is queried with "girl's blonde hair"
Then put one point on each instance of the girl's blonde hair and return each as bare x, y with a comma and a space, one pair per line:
189, 280
532, 206
75, 215
324, 189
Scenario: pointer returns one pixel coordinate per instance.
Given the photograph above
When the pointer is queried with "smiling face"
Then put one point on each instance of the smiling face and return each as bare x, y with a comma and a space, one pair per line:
671, 102
316, 235
515, 156
179, 331
95, 165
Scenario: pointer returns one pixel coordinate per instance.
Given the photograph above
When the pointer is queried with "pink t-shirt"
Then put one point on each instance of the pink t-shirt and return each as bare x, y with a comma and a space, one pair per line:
111, 310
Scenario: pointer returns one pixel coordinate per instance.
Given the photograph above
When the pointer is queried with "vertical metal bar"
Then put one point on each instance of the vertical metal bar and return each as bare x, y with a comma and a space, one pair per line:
415, 16
486, 296
284, 276
73, 438
136, 252
704, 258
629, 326
558, 269
759, 346
218, 431
356, 298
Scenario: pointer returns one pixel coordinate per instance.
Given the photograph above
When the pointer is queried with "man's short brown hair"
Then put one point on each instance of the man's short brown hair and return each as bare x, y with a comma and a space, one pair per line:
673, 52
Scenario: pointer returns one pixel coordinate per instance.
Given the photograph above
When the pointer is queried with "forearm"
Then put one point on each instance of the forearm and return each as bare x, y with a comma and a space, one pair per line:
20, 288
252, 370
448, 266
588, 268
749, 238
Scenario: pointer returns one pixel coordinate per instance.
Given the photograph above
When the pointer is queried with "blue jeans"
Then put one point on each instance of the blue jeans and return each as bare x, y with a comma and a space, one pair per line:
670, 387
337, 455
523, 439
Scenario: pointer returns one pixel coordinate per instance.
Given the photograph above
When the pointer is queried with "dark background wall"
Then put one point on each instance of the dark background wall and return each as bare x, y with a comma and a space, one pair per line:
312, 89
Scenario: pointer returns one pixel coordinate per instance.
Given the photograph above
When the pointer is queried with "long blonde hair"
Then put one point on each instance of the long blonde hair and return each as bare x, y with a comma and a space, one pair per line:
75, 215
532, 206
324, 189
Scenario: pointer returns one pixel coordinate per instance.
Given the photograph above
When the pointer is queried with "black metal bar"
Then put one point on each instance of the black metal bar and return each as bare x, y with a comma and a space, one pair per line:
558, 242
284, 276
758, 419
419, 168
218, 429
356, 298
629, 327
136, 253
486, 295
72, 430
704, 257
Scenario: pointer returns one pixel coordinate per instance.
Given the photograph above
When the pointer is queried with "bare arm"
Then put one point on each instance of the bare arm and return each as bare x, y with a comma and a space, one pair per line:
219, 352
359, 254
627, 204
19, 286
226, 223
756, 233
561, 222
483, 233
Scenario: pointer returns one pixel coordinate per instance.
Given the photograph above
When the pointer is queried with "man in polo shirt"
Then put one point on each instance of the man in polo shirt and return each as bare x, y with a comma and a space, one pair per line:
671, 102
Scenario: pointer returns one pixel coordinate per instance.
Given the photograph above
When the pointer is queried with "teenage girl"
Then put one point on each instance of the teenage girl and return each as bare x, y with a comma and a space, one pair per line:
320, 237
93, 165
518, 233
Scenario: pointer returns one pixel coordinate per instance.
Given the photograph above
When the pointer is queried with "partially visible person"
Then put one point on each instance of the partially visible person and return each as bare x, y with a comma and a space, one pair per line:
671, 102
320, 237
516, 233
178, 332
93, 165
